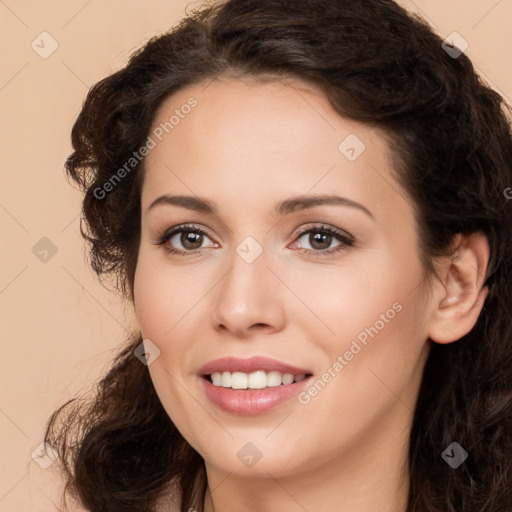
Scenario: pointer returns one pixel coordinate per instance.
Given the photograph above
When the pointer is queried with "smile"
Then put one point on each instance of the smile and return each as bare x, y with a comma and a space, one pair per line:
254, 386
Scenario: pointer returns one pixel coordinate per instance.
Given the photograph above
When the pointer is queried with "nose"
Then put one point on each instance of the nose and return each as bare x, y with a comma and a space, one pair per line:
249, 299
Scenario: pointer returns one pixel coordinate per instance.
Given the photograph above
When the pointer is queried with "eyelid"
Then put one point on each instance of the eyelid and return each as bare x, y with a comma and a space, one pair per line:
323, 227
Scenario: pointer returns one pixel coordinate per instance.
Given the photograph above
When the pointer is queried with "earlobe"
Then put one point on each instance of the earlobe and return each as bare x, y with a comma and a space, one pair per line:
461, 296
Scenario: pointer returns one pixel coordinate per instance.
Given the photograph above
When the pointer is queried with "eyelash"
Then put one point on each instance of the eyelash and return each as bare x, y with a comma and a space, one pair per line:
346, 240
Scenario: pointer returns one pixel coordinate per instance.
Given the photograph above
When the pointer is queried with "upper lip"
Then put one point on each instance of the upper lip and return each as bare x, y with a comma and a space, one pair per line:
233, 364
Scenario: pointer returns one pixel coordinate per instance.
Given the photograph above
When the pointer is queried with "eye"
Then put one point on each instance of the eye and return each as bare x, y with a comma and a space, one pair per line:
318, 240
185, 239
188, 240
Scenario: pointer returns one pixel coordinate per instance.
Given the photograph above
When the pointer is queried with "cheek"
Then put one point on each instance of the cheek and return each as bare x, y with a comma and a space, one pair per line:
162, 295
371, 377
344, 300
382, 351
171, 307
374, 314
161, 303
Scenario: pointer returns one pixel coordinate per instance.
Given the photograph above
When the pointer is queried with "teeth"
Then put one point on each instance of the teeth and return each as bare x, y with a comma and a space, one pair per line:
239, 380
287, 378
255, 380
274, 379
225, 381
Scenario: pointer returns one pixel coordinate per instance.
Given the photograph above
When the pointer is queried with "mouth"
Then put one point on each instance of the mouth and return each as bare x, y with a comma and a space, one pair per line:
250, 387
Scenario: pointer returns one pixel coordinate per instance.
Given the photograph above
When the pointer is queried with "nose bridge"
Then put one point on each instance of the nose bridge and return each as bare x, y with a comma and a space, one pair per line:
248, 294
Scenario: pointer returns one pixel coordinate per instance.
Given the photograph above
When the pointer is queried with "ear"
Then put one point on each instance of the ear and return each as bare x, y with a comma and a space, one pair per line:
460, 296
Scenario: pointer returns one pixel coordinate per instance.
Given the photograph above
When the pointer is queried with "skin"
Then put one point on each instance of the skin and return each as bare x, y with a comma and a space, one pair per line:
246, 146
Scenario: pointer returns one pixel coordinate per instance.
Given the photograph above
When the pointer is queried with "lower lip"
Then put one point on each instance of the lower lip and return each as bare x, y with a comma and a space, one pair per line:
251, 402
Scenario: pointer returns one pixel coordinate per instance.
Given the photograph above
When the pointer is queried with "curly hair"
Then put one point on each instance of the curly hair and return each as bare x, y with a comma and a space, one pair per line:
451, 140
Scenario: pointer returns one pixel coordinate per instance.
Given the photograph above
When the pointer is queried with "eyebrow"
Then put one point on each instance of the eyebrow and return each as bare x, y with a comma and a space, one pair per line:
283, 208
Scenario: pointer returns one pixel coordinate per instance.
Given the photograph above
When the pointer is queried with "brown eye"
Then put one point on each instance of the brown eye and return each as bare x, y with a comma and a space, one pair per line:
191, 240
184, 240
318, 240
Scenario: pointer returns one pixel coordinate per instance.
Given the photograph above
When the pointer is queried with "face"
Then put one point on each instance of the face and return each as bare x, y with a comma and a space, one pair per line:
273, 237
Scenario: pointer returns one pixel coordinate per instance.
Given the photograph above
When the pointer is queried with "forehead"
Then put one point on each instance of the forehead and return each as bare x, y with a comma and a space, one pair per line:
265, 138
281, 115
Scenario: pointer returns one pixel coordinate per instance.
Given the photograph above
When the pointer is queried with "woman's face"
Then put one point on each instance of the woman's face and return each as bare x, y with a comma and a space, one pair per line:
258, 266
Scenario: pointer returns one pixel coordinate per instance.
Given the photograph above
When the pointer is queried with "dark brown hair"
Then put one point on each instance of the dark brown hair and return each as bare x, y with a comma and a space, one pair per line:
452, 144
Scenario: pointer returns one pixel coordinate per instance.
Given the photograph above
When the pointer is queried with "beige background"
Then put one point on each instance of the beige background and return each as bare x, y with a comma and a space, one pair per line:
60, 329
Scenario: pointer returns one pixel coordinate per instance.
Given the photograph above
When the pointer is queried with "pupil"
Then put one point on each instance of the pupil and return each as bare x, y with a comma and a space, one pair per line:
320, 238
188, 240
